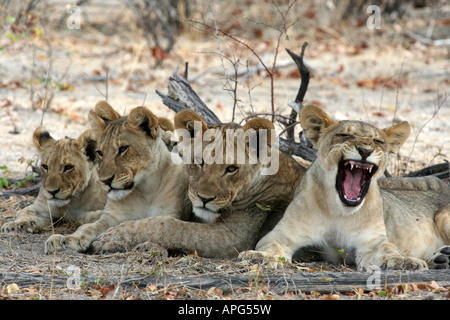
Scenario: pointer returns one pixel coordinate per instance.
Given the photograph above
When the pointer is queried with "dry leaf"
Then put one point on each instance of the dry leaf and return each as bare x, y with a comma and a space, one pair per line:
12, 288
151, 288
331, 297
159, 53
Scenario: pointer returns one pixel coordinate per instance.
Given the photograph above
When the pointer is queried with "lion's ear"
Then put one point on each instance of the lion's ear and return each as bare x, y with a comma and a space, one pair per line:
396, 135
95, 122
42, 139
88, 144
106, 112
186, 119
258, 124
166, 124
314, 120
143, 120
101, 115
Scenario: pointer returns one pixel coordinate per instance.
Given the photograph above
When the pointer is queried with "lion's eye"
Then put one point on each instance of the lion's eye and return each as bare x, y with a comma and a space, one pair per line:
123, 149
68, 167
378, 141
44, 167
99, 154
342, 135
231, 169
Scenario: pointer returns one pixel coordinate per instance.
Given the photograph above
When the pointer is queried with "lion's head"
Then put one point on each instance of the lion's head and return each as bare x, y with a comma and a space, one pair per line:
66, 164
219, 180
128, 147
352, 153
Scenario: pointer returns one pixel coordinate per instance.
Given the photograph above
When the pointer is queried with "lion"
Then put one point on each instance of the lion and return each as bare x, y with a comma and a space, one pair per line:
341, 210
70, 187
234, 202
135, 164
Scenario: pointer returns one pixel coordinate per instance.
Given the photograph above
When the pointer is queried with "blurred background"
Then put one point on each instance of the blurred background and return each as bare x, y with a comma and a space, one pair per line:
58, 58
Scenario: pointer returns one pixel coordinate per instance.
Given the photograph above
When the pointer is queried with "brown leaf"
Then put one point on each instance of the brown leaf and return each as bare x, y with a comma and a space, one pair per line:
159, 53
424, 286
331, 297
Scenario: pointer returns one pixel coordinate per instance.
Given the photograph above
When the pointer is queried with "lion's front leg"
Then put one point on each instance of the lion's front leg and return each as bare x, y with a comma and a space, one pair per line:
274, 250
121, 238
387, 256
81, 239
271, 259
89, 217
78, 241
29, 219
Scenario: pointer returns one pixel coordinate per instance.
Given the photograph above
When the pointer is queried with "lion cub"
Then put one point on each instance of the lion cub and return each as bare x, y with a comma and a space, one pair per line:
70, 185
236, 201
135, 164
339, 204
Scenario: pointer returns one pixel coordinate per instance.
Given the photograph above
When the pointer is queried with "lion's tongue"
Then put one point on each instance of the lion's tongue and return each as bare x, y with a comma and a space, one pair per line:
352, 182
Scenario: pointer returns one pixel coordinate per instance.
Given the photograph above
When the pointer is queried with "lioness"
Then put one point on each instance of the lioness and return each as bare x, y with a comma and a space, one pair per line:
136, 166
70, 187
339, 204
233, 200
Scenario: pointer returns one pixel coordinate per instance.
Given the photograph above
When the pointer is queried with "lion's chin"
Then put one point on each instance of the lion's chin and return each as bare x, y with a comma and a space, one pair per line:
206, 215
59, 202
116, 195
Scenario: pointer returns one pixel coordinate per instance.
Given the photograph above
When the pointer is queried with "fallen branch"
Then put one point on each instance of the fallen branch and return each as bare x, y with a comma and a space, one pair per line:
280, 283
426, 41
29, 191
441, 171
297, 105
181, 96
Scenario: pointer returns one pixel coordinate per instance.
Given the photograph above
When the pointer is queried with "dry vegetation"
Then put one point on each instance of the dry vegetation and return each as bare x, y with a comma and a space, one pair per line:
238, 66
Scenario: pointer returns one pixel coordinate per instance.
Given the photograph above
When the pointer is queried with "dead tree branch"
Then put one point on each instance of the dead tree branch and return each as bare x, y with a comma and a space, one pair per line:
304, 78
181, 96
278, 283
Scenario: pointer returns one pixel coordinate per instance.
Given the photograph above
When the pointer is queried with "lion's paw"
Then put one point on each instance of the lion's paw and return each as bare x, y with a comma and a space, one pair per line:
272, 261
22, 226
152, 249
440, 259
110, 241
55, 243
406, 263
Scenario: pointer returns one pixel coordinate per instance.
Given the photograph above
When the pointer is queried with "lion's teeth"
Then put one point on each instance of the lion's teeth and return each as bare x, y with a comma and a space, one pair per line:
351, 166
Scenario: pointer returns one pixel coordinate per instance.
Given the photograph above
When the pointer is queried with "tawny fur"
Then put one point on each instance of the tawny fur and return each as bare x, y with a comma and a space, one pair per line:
137, 166
245, 204
70, 188
398, 226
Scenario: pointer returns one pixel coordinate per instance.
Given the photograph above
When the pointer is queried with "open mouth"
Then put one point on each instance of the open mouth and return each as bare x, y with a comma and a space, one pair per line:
353, 181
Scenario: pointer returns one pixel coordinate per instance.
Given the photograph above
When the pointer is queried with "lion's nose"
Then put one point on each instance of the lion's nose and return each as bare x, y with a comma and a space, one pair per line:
108, 181
53, 192
205, 200
365, 153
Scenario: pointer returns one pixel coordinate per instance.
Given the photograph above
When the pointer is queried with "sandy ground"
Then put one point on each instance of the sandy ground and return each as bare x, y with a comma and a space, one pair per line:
376, 76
